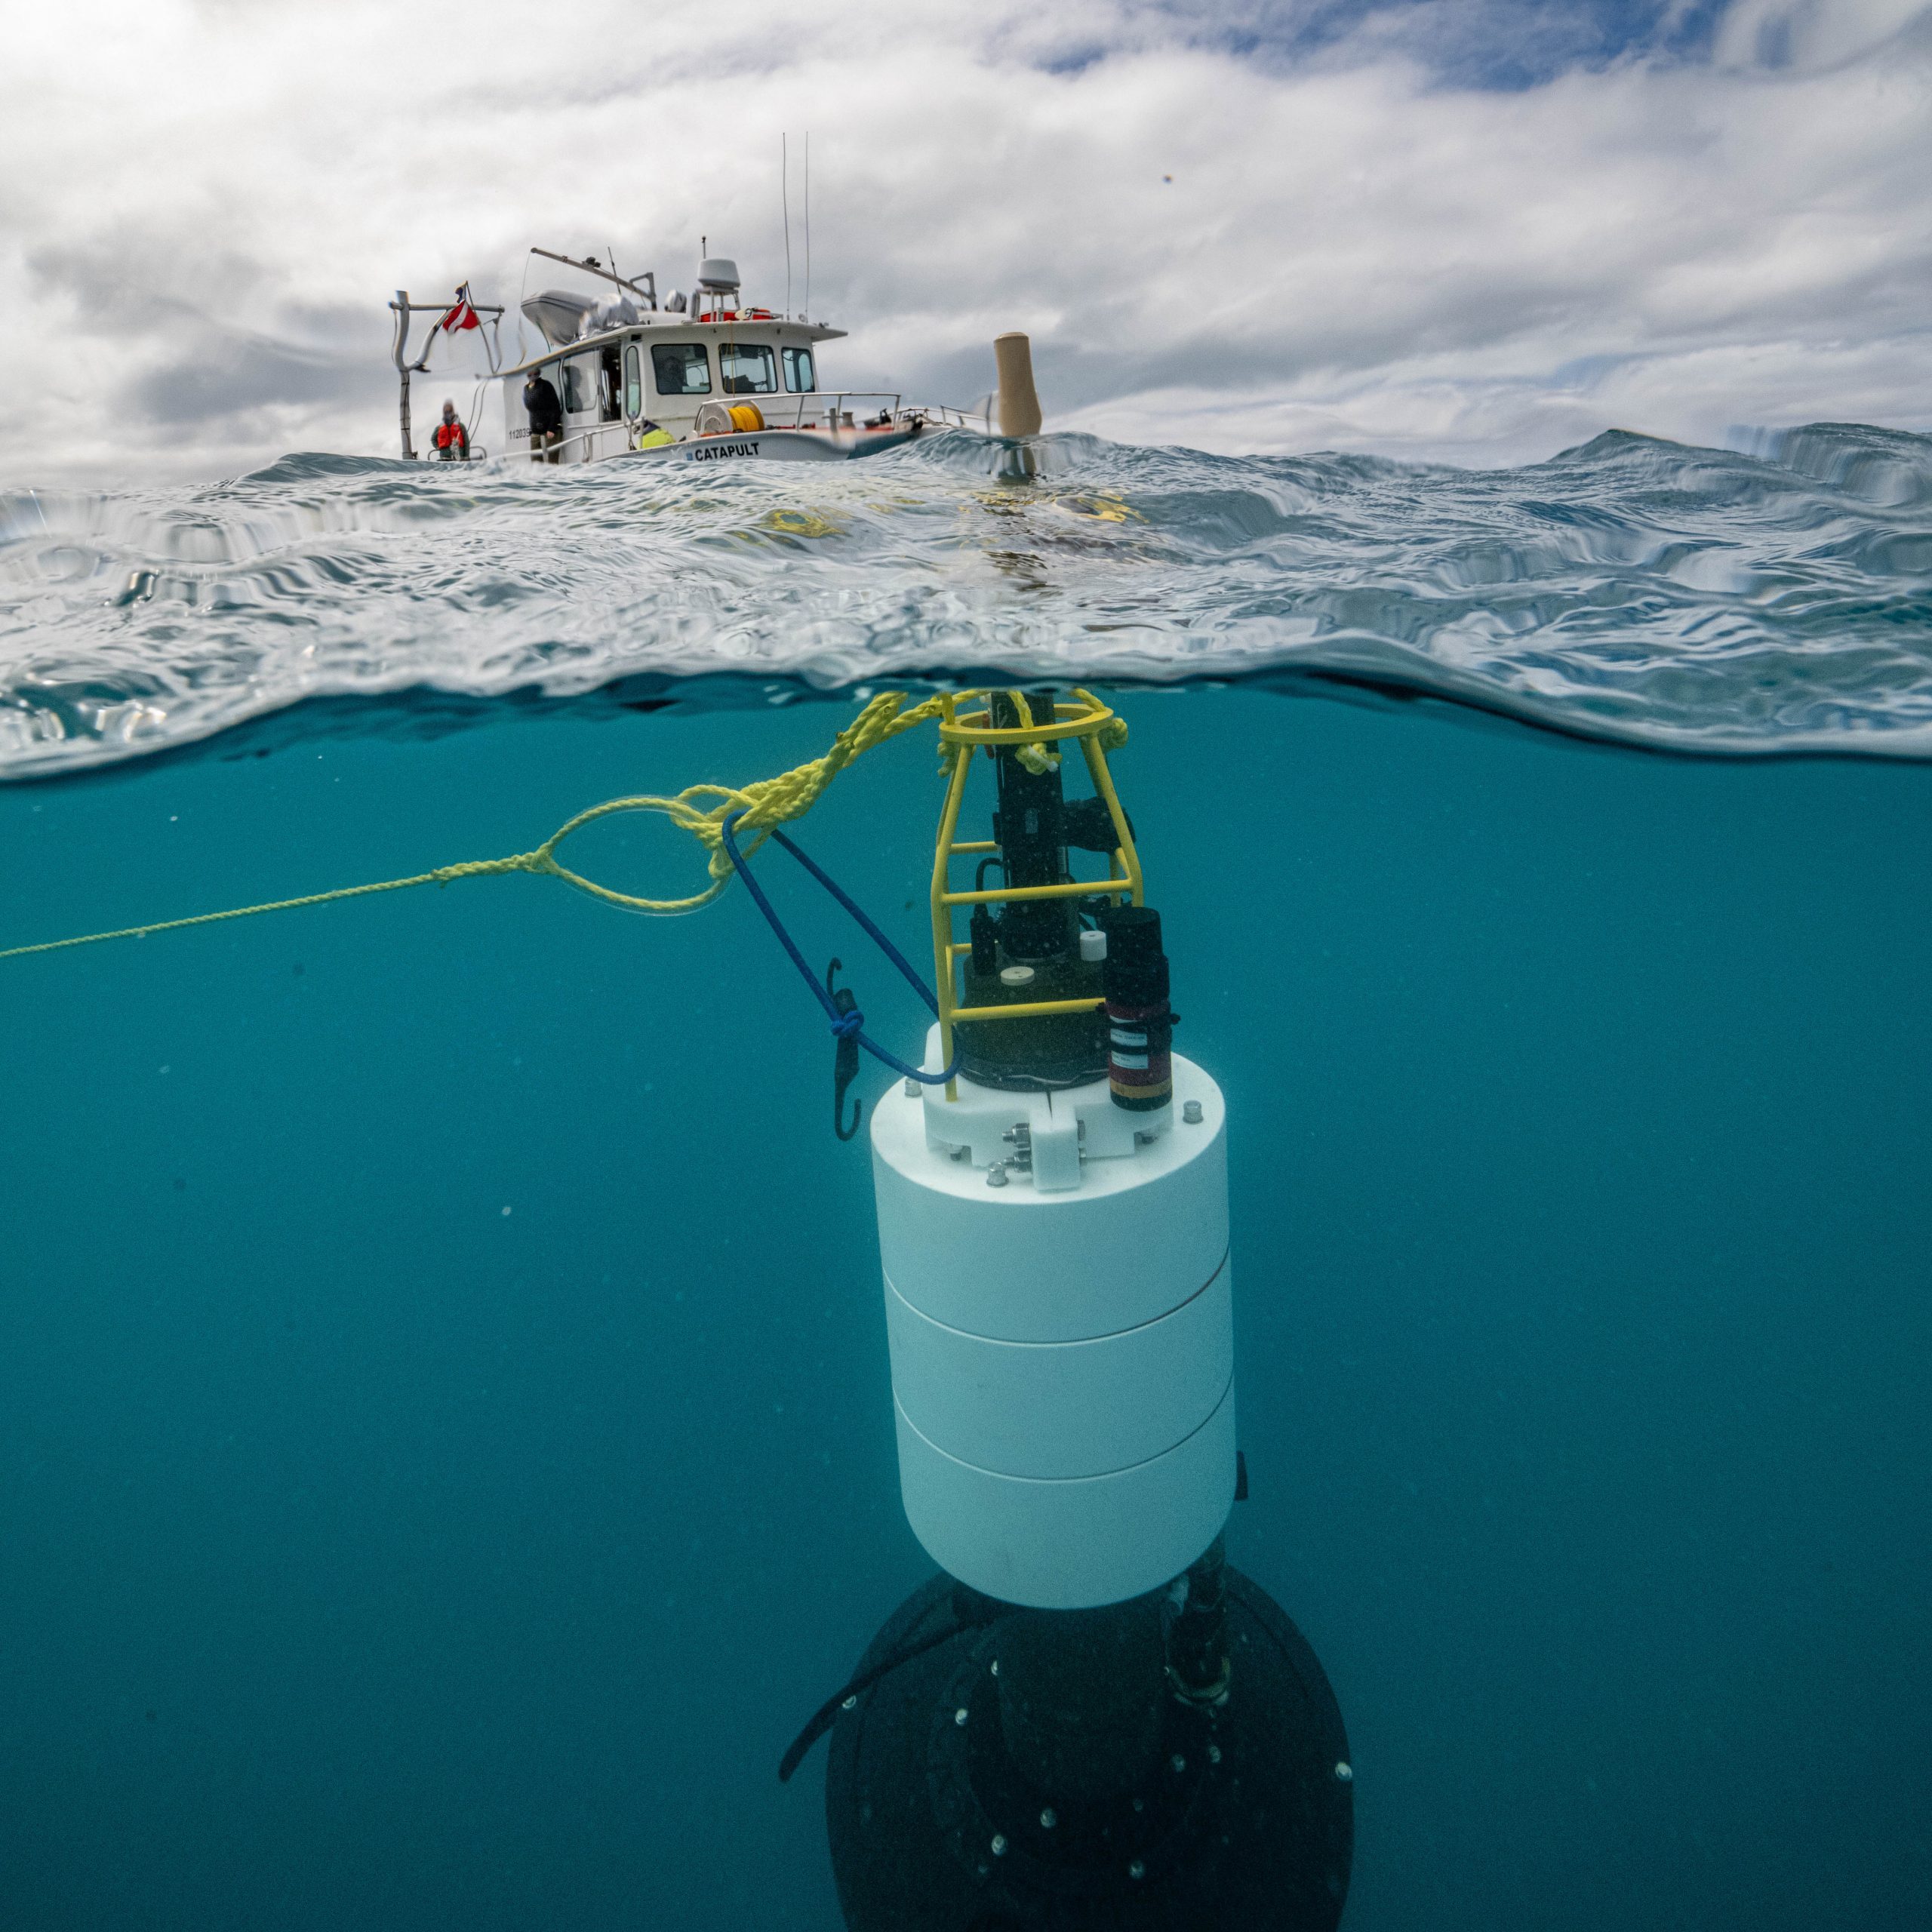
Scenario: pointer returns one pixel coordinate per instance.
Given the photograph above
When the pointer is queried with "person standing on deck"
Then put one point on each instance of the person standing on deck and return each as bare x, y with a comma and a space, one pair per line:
452, 438
546, 417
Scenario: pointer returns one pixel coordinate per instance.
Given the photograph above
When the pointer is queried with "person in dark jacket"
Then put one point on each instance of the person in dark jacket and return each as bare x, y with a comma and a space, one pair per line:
452, 438
546, 417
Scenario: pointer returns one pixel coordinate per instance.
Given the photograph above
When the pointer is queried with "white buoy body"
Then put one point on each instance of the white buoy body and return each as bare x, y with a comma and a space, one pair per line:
1062, 1345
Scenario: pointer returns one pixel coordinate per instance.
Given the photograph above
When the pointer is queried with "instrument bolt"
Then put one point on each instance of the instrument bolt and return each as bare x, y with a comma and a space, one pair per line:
1191, 1113
1214, 1754
959, 1716
1345, 1771
850, 1704
1137, 1870
912, 1089
1049, 1818
996, 1175
999, 1844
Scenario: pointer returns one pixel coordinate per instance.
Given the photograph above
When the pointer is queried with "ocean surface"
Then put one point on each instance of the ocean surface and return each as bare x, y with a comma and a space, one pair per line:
446, 1443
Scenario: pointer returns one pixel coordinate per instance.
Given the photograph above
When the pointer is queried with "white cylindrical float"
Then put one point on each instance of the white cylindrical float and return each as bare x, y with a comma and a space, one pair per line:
1062, 1335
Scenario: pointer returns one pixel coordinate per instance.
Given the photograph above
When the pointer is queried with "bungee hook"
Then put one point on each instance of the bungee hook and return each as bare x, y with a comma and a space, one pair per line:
845, 1060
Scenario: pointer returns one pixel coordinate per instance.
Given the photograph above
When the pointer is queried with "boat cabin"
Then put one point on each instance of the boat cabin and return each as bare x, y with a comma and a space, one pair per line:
628, 376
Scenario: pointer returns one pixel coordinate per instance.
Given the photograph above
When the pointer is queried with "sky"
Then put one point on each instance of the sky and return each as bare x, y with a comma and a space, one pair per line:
1474, 231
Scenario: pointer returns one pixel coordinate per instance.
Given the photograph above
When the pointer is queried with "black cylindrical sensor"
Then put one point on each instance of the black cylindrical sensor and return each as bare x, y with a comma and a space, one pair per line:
1140, 1020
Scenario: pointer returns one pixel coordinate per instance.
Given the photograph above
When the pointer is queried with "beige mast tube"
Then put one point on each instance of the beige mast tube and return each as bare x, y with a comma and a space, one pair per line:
1019, 401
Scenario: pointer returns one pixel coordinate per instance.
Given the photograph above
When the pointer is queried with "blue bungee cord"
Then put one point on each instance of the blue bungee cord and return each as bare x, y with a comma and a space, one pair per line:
846, 1020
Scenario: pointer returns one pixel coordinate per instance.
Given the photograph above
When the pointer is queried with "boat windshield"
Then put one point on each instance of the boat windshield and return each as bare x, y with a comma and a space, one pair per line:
800, 377
747, 368
681, 368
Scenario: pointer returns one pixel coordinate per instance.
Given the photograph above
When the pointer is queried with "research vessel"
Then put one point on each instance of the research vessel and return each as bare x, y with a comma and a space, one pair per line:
702, 375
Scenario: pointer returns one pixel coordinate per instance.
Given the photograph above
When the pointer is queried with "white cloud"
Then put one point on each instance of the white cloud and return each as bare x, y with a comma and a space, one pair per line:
204, 208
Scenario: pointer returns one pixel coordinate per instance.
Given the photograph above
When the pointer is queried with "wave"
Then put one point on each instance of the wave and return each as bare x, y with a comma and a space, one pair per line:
1774, 599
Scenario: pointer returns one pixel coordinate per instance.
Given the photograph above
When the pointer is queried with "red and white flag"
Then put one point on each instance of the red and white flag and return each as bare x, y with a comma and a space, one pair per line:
463, 315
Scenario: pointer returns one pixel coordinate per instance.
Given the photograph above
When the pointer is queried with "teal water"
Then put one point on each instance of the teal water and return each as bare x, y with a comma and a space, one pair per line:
444, 1406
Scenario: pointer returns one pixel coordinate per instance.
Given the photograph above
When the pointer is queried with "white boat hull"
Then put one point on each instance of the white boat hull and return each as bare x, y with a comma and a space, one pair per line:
783, 445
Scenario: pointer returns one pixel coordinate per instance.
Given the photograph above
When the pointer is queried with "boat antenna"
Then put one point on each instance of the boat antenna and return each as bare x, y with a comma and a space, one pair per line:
785, 199
808, 224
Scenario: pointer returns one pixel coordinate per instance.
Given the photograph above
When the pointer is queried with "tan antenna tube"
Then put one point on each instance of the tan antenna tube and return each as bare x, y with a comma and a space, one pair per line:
1019, 403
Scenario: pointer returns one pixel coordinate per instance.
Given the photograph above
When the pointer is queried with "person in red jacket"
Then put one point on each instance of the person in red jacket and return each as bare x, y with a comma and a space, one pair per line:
452, 438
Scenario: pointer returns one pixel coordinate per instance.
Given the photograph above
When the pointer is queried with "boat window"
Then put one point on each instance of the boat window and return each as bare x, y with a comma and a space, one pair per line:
800, 377
577, 399
633, 383
606, 383
747, 368
681, 368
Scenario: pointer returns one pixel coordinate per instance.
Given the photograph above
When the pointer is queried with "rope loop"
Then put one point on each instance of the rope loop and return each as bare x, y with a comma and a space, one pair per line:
756, 811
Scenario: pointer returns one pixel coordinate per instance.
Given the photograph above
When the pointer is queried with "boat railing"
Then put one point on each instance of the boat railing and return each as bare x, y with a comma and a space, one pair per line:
950, 418
812, 409
556, 452
831, 404
941, 413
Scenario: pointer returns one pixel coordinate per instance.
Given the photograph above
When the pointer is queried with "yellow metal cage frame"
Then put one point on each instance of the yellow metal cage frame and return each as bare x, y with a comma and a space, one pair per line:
1083, 720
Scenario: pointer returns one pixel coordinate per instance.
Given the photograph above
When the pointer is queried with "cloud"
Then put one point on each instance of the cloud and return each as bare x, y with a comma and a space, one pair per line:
1473, 232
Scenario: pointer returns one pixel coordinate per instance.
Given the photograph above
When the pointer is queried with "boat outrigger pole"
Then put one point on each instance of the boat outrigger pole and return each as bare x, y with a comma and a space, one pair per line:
591, 265
403, 309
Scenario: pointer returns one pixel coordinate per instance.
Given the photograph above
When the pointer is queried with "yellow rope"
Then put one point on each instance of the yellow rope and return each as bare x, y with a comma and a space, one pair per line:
765, 802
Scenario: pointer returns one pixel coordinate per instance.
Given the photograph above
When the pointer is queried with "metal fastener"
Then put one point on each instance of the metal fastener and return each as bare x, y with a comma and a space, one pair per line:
1191, 1113
1178, 1762
959, 1716
1345, 1771
1137, 1870
999, 1844
1049, 1818
912, 1090
850, 1704
1214, 1754
996, 1175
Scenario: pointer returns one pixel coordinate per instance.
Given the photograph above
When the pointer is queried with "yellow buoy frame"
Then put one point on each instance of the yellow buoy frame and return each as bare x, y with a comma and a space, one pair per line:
701, 811
1090, 725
